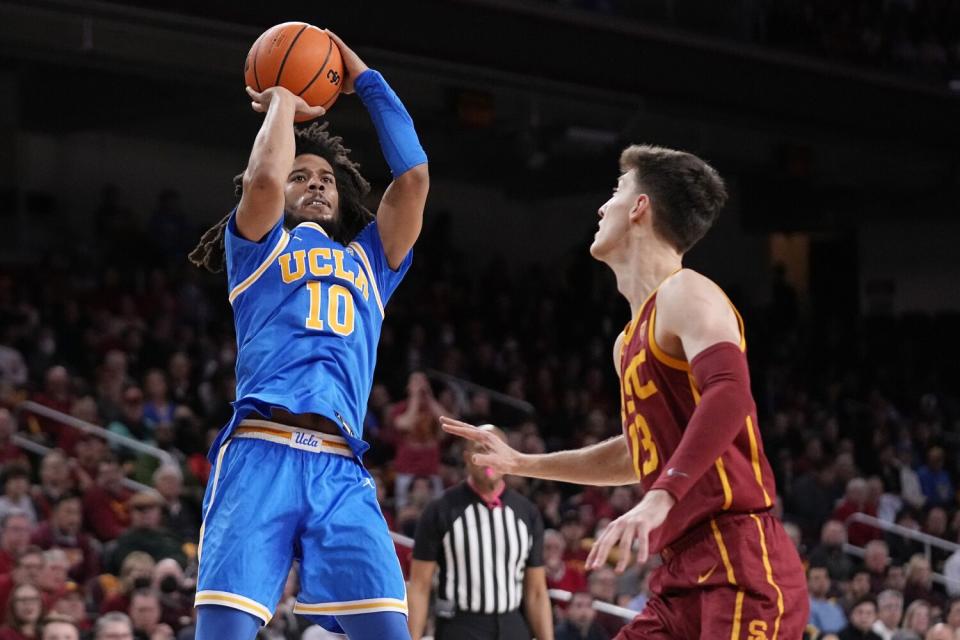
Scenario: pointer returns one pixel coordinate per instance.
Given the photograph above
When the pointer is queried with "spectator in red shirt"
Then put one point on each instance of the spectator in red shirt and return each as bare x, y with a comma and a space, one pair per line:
57, 395
855, 501
573, 530
416, 426
52, 580
560, 575
105, 503
56, 480
72, 607
9, 452
14, 539
24, 611
27, 571
64, 531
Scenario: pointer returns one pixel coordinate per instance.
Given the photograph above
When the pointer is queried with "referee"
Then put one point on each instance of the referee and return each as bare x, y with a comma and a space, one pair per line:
488, 543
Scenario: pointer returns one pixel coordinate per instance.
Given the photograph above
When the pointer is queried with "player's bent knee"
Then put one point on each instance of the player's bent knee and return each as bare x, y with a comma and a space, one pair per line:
384, 625
215, 622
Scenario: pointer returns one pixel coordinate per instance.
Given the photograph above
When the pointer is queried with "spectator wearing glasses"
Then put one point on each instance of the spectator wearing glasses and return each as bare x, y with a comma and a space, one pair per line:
24, 611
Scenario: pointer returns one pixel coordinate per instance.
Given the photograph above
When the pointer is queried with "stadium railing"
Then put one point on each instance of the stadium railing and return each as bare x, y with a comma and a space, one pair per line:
928, 541
555, 594
66, 420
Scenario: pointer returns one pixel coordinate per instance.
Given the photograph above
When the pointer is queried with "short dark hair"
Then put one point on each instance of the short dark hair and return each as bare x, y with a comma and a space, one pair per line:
686, 193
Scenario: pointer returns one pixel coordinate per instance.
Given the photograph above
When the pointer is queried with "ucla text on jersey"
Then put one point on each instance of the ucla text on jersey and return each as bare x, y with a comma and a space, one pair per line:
308, 313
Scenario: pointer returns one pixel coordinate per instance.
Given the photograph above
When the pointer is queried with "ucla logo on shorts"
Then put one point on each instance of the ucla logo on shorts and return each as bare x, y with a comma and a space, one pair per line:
305, 440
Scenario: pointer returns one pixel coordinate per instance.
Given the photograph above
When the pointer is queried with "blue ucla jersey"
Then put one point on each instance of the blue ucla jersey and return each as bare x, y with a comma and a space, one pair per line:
308, 313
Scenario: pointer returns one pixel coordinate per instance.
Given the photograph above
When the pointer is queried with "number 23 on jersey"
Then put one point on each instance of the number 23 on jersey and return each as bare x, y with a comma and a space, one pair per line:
638, 430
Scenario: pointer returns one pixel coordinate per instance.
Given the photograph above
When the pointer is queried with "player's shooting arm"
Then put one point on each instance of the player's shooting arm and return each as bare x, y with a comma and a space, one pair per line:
693, 313
271, 159
400, 216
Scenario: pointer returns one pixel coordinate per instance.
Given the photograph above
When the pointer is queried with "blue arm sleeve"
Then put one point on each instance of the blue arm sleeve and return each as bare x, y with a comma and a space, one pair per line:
398, 138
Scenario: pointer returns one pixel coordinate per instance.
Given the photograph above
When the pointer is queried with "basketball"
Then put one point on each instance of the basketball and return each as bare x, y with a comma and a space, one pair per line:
299, 57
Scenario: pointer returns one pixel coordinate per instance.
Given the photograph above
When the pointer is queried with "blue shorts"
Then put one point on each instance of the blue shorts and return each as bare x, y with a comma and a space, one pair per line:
277, 494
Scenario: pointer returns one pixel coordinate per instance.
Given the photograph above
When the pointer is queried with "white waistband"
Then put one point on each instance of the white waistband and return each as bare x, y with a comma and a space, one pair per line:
303, 439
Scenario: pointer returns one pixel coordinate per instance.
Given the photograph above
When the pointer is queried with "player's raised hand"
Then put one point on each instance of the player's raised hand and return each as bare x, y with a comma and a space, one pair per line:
261, 101
353, 66
498, 455
635, 524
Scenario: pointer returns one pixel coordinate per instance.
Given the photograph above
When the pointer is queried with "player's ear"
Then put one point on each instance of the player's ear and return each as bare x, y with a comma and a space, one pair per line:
641, 205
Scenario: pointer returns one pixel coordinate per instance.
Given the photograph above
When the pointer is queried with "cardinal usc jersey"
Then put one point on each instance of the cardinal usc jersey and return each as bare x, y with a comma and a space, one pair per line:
658, 396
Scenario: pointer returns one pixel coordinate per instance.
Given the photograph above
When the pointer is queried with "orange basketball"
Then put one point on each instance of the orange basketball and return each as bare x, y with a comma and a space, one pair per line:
298, 57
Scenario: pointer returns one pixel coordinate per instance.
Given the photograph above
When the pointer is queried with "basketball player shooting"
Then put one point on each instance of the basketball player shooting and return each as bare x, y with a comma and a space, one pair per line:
690, 433
309, 271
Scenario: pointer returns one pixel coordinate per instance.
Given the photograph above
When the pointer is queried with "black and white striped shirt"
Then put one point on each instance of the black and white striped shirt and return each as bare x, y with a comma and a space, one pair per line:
482, 552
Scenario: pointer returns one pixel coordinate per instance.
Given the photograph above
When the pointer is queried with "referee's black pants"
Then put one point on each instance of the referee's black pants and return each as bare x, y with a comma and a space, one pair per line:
483, 626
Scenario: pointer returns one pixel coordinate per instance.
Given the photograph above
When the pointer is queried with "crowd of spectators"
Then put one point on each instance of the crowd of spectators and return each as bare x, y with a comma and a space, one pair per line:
858, 415
918, 38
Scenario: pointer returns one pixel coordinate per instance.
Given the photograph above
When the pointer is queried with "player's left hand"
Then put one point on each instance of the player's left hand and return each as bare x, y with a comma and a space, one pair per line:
635, 524
353, 66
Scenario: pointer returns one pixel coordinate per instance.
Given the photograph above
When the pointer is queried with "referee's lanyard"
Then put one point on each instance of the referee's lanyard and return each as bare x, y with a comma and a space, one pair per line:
492, 500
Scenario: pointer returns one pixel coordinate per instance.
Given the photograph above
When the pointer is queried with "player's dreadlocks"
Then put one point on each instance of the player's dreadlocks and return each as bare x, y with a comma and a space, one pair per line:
351, 187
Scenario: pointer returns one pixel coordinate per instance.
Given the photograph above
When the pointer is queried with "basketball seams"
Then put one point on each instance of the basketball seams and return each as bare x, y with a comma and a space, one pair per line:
322, 67
287, 54
256, 50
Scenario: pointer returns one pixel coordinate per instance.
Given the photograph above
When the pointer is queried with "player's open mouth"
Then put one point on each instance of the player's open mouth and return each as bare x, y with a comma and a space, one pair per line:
316, 203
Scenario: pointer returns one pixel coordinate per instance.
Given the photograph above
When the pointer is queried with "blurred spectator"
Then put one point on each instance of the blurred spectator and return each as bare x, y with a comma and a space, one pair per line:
862, 616
935, 482
180, 514
24, 610
830, 554
146, 532
57, 394
919, 584
560, 575
580, 623
917, 617
27, 571
856, 501
59, 628
55, 482
572, 530
603, 587
416, 421
939, 631
52, 579
136, 573
876, 557
157, 409
14, 538
9, 452
145, 616
857, 589
889, 613
825, 614
63, 531
113, 626
15, 482
71, 606
952, 614
812, 498
132, 421
105, 503
175, 593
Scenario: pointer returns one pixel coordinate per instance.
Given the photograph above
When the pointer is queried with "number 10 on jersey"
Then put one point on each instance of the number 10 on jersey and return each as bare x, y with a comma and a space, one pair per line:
330, 308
